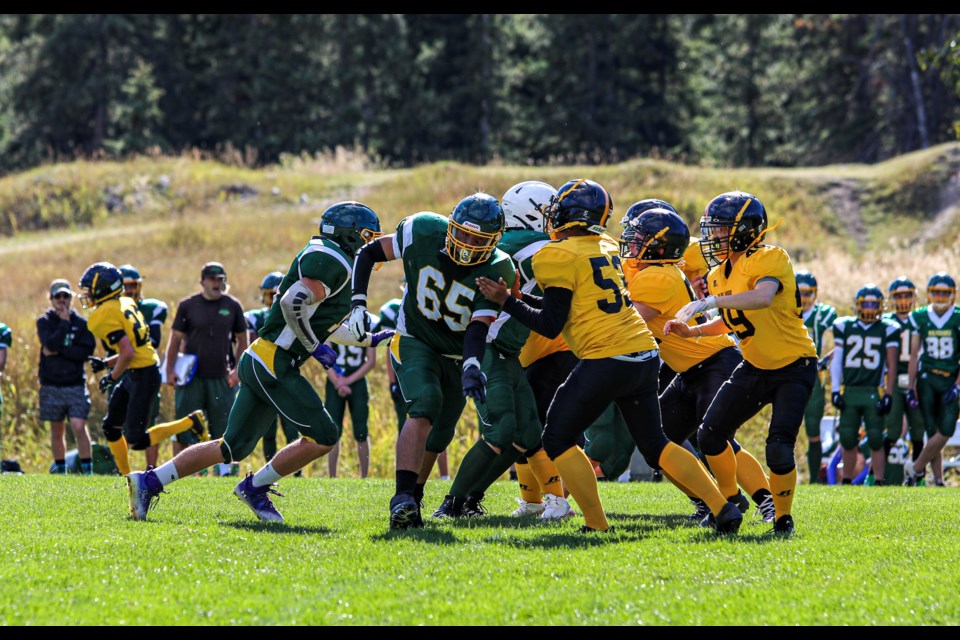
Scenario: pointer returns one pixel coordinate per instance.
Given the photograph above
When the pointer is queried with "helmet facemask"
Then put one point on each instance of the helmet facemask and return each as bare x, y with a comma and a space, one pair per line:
467, 245
133, 288
640, 245
267, 296
941, 297
808, 296
869, 308
904, 300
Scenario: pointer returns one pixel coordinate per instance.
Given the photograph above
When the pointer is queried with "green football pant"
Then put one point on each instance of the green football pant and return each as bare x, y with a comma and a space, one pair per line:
894, 419
272, 387
813, 413
860, 403
509, 416
270, 437
938, 417
359, 403
431, 385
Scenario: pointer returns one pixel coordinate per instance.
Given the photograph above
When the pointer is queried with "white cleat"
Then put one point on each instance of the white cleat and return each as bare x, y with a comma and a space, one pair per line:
555, 508
528, 508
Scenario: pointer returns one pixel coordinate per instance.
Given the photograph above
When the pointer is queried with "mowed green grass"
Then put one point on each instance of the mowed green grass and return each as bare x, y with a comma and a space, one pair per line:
861, 556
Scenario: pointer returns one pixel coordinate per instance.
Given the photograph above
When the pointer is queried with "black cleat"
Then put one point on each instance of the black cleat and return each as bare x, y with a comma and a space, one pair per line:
783, 526
586, 529
404, 512
741, 501
701, 511
729, 519
451, 507
472, 507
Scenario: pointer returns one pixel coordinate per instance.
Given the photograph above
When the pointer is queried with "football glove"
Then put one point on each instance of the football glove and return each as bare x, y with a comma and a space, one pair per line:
395, 392
837, 400
97, 364
106, 383
885, 404
325, 355
951, 394
695, 308
912, 401
474, 384
381, 336
359, 322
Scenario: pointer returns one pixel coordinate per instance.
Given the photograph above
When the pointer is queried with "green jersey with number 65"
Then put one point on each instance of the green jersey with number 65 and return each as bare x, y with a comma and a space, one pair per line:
864, 349
506, 333
939, 338
441, 297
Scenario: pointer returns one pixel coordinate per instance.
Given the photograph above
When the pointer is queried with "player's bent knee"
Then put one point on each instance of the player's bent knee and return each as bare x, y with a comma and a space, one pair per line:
710, 441
112, 434
780, 458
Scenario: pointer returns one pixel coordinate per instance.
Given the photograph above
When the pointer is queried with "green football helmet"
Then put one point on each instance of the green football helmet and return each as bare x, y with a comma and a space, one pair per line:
350, 224
868, 302
132, 282
807, 286
941, 291
903, 293
268, 287
475, 227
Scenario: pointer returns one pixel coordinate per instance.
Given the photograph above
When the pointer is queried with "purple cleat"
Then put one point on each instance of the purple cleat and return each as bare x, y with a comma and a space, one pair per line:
258, 499
144, 488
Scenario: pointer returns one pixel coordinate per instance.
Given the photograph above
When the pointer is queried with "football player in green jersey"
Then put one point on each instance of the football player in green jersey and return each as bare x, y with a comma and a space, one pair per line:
441, 332
903, 297
314, 298
933, 372
818, 318
389, 314
864, 358
255, 319
509, 423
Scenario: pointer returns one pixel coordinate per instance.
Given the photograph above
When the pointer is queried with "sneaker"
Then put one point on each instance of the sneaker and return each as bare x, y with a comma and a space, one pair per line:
451, 507
404, 512
784, 525
86, 468
910, 477
473, 508
940, 483
258, 499
528, 508
727, 521
586, 529
701, 510
200, 428
741, 501
58, 469
555, 508
144, 488
767, 510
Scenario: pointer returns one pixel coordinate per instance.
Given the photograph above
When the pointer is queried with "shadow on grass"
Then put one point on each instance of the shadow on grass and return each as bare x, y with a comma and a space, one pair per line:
276, 527
429, 534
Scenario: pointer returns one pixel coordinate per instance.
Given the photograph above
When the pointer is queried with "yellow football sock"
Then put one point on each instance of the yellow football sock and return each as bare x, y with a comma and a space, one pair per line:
119, 450
579, 477
750, 474
678, 484
164, 430
685, 468
782, 488
724, 467
529, 485
547, 473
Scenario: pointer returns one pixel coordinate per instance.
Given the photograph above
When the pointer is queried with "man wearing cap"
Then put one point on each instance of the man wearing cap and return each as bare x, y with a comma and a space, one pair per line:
66, 343
210, 322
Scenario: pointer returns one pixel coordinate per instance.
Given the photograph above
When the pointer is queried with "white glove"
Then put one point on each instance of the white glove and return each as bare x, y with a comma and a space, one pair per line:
695, 308
358, 322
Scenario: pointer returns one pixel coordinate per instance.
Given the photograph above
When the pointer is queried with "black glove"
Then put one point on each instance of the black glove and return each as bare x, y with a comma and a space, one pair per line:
473, 381
106, 383
395, 392
885, 404
837, 400
97, 364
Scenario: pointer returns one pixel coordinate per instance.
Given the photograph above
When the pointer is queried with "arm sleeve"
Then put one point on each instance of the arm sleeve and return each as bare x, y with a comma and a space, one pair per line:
532, 301
475, 340
155, 335
368, 255
836, 368
550, 319
294, 305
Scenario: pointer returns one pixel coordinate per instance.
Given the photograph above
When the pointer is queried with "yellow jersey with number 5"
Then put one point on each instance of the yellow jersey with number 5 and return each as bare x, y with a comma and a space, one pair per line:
773, 337
602, 321
120, 317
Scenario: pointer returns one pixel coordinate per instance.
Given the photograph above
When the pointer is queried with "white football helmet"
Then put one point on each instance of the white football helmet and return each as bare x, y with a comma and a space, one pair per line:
524, 202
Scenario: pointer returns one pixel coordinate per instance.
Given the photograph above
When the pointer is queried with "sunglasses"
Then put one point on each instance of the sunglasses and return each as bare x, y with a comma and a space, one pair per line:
62, 296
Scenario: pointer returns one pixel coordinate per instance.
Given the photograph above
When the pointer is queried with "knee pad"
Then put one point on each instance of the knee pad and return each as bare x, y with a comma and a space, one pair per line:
710, 442
143, 442
554, 445
780, 457
112, 434
875, 440
848, 438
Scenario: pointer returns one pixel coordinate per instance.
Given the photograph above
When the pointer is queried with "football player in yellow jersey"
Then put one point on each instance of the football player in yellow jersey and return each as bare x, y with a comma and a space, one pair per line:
135, 375
585, 299
652, 244
754, 287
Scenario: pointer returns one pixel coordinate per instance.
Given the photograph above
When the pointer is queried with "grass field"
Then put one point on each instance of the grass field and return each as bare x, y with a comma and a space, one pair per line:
861, 556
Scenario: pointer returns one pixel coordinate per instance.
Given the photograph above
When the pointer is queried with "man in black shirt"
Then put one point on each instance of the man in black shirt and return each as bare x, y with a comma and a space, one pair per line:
66, 343
212, 324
